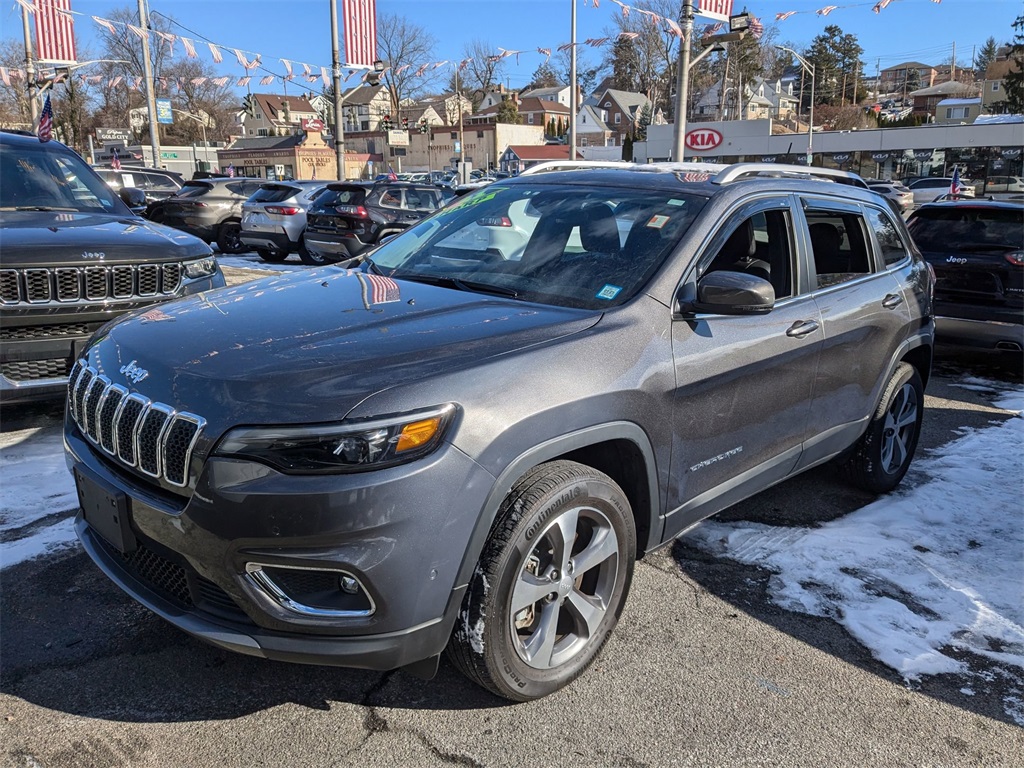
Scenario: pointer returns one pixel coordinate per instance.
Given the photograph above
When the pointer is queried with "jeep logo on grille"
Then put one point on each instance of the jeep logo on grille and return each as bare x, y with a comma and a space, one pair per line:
133, 373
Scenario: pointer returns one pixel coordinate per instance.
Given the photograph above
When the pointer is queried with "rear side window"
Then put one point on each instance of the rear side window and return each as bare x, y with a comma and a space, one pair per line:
426, 199
156, 181
839, 246
192, 189
274, 194
391, 198
346, 196
967, 227
889, 240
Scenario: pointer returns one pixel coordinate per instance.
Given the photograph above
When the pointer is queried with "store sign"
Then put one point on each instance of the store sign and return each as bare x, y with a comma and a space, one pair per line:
923, 154
879, 157
1011, 152
843, 157
312, 124
113, 134
703, 139
769, 158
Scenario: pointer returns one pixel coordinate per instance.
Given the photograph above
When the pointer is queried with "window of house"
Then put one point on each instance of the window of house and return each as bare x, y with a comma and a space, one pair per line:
607, 103
956, 113
583, 141
995, 86
839, 246
893, 249
455, 135
618, 118
529, 119
479, 134
262, 132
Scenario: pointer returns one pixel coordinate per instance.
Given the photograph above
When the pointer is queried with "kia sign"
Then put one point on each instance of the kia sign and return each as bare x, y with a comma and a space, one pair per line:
843, 157
312, 124
703, 139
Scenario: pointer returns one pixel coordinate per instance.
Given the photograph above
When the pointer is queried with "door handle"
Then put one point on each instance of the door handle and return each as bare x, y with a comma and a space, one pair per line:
802, 328
892, 301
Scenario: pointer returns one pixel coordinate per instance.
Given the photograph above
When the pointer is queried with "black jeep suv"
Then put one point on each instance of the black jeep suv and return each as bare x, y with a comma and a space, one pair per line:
72, 257
468, 442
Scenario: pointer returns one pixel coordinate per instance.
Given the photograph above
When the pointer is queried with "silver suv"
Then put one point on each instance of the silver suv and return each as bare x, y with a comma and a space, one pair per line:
468, 442
274, 219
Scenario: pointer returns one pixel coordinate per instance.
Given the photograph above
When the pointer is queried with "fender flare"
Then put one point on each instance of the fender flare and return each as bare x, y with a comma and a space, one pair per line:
546, 451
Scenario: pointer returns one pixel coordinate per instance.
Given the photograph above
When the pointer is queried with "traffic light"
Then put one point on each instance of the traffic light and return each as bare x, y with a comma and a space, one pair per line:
405, 123
385, 122
249, 105
423, 125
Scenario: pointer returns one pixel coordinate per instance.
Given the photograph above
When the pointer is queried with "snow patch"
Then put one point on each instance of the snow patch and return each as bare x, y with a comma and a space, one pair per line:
1014, 707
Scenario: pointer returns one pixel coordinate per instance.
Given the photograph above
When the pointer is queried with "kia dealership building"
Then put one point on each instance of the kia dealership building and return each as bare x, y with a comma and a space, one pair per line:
979, 150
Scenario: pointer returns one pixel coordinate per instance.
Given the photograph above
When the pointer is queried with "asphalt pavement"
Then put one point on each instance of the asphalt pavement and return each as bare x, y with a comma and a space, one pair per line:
703, 670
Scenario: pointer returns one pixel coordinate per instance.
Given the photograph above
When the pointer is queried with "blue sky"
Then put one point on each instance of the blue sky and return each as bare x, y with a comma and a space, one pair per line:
299, 30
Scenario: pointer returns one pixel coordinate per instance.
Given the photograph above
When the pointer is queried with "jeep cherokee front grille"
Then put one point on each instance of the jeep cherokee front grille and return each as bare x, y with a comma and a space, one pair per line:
152, 437
95, 283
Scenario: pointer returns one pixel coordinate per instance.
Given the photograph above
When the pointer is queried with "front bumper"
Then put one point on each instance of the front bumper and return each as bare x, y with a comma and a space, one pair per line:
401, 532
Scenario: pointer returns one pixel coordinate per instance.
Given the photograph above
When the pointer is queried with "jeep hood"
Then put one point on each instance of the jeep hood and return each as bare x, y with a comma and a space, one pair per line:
58, 238
308, 346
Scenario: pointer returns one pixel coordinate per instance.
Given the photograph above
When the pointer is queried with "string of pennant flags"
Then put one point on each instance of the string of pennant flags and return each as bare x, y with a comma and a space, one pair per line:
252, 60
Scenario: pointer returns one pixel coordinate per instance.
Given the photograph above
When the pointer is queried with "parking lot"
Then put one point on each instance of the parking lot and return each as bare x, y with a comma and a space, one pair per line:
705, 667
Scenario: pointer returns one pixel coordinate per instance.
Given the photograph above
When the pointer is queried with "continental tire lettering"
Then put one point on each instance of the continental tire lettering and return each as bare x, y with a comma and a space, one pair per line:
507, 667
546, 513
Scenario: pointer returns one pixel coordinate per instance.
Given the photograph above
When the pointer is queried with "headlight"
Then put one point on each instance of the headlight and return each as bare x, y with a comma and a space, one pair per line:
200, 267
347, 447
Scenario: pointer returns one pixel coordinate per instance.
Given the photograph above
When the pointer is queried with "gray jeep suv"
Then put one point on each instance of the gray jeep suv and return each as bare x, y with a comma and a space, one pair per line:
468, 442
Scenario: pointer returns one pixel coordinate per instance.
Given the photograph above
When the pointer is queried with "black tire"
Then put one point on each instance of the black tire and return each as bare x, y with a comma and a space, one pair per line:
568, 599
883, 454
229, 238
314, 259
271, 256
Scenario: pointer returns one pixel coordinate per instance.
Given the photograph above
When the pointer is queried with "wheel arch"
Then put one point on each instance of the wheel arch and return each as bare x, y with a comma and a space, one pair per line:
619, 449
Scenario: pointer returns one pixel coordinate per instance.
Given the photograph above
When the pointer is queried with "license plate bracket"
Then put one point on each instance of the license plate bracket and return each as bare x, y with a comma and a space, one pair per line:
106, 509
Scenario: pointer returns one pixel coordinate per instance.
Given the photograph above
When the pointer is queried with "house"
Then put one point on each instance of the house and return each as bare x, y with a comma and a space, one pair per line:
558, 93
592, 128
958, 110
993, 93
906, 76
761, 99
363, 107
517, 158
624, 111
495, 96
292, 156
272, 114
926, 100
446, 107
532, 111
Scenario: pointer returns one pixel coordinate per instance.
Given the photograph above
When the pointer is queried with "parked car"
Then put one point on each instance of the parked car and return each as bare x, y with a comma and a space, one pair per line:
157, 184
1003, 186
351, 216
463, 449
274, 219
73, 257
895, 191
977, 251
210, 209
926, 190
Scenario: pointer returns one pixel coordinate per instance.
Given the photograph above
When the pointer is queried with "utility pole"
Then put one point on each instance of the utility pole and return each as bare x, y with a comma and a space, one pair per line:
573, 86
339, 128
147, 71
30, 67
463, 175
952, 68
683, 82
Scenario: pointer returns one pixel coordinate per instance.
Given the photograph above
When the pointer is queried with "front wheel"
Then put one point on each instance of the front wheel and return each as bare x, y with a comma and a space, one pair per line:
271, 256
315, 258
883, 454
550, 584
229, 238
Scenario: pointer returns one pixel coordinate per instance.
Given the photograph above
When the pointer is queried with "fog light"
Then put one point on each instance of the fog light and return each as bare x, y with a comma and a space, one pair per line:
348, 585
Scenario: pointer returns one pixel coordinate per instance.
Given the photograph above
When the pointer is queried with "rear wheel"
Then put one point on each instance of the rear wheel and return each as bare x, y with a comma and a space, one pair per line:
550, 584
271, 256
229, 238
316, 259
882, 456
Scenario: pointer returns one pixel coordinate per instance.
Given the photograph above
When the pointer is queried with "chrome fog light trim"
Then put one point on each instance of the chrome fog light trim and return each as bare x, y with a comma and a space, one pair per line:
262, 581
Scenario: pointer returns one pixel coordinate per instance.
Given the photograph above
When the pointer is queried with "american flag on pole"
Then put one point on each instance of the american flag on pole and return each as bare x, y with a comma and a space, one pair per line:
360, 18
55, 31
955, 187
115, 161
715, 9
45, 130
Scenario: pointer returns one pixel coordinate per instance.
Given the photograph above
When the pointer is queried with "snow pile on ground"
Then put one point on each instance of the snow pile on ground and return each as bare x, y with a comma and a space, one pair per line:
935, 566
38, 500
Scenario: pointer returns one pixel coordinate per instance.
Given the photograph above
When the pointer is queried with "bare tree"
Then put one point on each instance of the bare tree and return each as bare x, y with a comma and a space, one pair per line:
406, 47
14, 106
484, 70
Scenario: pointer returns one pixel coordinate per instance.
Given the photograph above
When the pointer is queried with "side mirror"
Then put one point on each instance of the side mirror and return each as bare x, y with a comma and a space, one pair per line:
133, 197
730, 293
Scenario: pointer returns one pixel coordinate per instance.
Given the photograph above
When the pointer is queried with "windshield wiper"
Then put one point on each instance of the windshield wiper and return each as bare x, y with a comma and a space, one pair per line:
39, 208
463, 285
373, 267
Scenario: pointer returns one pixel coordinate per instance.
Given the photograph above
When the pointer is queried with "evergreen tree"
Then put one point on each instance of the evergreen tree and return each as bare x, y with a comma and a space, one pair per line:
627, 148
1013, 82
986, 56
508, 113
645, 119
625, 64
835, 56
544, 77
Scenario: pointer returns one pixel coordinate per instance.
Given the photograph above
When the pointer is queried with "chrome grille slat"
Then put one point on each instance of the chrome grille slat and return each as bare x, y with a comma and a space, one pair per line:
151, 437
92, 283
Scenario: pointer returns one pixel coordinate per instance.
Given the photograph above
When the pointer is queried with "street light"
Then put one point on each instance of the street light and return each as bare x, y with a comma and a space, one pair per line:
202, 123
809, 69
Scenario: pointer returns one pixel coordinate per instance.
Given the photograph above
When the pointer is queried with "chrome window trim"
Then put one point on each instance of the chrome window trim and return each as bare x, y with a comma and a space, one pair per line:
258, 578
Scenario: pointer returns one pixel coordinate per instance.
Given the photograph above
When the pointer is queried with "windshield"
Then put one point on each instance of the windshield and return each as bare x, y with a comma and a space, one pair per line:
967, 228
572, 246
35, 177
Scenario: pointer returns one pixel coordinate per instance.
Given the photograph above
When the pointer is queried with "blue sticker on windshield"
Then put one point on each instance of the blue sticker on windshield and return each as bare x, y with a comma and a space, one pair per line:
608, 292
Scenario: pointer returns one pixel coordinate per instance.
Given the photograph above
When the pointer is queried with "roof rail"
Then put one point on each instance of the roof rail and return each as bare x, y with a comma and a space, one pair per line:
737, 171
573, 165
